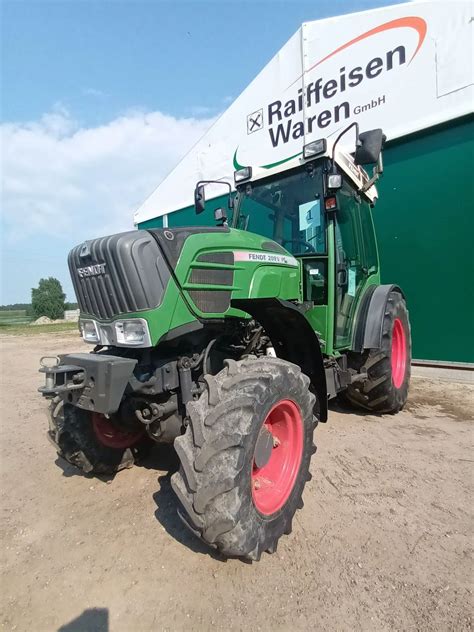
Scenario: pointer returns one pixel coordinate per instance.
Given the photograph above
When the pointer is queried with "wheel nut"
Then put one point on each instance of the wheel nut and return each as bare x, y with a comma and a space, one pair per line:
256, 484
276, 441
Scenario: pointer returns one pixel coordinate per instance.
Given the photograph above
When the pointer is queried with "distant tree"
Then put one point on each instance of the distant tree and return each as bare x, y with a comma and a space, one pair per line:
48, 299
14, 307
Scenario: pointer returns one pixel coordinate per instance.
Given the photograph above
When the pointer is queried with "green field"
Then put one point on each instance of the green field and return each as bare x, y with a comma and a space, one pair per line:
15, 322
33, 330
14, 317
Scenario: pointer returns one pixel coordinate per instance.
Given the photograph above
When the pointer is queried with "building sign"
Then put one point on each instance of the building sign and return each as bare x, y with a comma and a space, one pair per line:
402, 68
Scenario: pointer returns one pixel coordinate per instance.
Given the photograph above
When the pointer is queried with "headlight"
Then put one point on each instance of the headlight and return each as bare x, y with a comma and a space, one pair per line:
242, 174
334, 181
89, 331
315, 148
132, 332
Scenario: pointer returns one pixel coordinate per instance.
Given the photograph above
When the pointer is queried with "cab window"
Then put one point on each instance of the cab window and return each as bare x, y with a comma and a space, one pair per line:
287, 209
370, 244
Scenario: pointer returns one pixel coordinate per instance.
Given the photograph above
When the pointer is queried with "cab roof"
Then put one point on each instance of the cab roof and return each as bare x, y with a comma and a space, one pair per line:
344, 160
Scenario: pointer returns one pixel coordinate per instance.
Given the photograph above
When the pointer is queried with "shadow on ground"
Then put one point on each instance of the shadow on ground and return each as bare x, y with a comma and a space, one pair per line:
161, 457
338, 405
166, 513
91, 620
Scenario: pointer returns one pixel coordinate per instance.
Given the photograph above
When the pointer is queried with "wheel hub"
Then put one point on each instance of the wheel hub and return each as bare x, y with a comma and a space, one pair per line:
111, 436
277, 457
263, 448
399, 353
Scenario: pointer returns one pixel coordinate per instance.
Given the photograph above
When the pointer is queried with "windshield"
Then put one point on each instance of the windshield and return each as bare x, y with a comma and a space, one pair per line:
287, 208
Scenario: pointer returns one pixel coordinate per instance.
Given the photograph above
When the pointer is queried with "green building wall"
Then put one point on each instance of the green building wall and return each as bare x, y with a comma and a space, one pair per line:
425, 227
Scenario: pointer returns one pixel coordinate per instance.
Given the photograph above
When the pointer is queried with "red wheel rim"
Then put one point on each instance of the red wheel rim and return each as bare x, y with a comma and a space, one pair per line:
272, 484
399, 353
111, 436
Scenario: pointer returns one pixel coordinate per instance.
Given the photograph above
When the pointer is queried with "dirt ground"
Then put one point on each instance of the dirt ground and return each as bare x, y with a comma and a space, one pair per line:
384, 541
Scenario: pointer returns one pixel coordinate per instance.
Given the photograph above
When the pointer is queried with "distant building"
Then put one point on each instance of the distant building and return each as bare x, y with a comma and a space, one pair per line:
72, 315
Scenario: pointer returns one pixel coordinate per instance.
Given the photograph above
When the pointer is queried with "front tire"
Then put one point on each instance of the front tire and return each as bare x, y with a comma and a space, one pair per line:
91, 442
244, 458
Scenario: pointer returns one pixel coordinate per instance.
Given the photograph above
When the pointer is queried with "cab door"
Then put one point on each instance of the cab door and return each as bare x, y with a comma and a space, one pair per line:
350, 273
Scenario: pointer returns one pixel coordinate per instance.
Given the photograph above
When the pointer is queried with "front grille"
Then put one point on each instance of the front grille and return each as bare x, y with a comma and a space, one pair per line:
213, 276
118, 274
217, 257
212, 301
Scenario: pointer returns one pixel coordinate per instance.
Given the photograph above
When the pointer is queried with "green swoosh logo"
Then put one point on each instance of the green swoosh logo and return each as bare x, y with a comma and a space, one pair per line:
238, 166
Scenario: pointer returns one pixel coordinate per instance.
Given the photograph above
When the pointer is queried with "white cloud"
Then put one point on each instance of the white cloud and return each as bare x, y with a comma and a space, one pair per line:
62, 179
93, 92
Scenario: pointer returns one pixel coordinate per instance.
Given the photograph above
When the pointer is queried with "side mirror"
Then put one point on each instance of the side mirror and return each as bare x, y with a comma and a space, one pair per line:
199, 199
220, 215
369, 147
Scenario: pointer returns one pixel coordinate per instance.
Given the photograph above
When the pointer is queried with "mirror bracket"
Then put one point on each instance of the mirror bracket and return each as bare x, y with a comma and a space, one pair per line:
220, 217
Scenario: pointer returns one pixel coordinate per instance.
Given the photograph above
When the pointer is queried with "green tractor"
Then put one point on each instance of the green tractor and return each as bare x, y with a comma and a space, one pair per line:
227, 341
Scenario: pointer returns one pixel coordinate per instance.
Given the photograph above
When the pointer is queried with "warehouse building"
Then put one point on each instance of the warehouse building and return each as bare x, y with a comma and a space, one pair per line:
408, 69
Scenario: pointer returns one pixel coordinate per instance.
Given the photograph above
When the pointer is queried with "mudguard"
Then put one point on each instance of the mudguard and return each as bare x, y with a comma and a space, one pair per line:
368, 333
293, 339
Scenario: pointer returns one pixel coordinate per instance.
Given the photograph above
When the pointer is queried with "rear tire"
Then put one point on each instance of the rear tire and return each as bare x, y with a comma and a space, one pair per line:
77, 438
222, 492
388, 368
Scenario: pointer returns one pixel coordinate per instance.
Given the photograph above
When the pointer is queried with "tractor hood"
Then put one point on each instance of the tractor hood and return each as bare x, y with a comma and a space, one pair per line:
134, 288
127, 272
119, 274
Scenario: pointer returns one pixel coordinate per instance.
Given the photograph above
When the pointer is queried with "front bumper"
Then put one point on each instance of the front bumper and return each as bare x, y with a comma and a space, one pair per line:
90, 381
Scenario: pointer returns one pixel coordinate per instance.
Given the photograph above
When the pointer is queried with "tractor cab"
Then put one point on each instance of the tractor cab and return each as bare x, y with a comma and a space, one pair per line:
317, 206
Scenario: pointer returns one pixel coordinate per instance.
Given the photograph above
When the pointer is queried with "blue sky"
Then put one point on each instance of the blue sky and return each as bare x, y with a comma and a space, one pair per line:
101, 99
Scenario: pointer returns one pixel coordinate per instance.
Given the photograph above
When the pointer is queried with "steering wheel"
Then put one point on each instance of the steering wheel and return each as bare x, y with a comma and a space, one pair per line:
308, 247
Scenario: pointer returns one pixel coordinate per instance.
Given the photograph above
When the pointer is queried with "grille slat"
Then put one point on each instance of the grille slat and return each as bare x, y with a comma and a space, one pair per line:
114, 274
125, 279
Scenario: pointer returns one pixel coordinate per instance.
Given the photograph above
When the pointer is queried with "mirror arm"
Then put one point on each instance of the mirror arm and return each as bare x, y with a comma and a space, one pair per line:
377, 172
369, 183
344, 131
380, 164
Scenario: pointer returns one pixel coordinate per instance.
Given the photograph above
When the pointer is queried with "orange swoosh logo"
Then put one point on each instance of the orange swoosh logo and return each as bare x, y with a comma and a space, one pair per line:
412, 22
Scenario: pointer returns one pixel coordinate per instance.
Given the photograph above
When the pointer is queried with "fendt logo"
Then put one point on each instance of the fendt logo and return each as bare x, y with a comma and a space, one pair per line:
283, 117
89, 271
